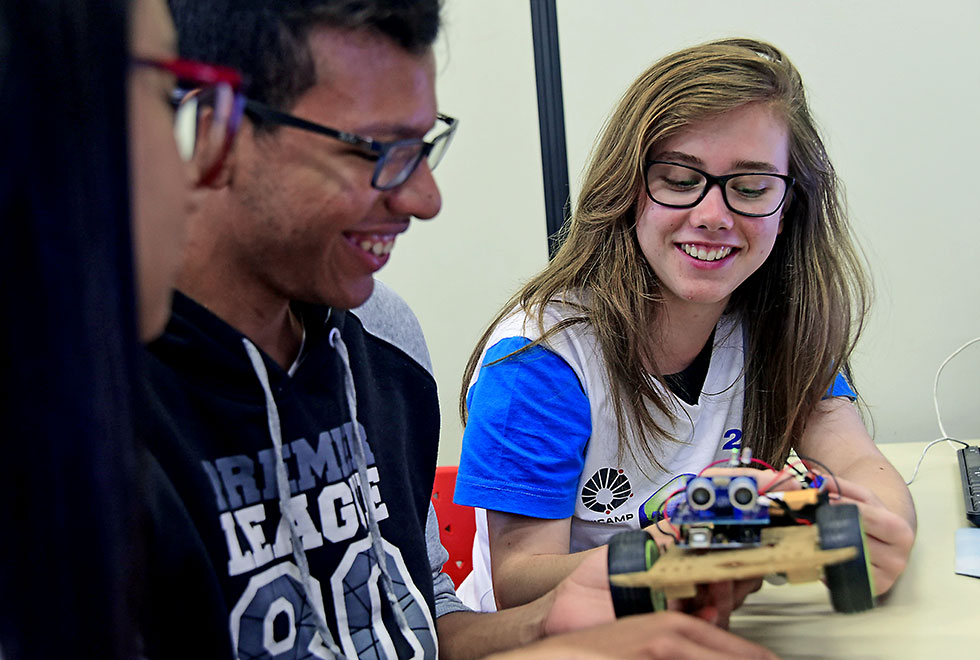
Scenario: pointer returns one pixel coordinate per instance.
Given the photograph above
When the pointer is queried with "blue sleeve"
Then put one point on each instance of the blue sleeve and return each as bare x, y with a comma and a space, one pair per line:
841, 388
524, 443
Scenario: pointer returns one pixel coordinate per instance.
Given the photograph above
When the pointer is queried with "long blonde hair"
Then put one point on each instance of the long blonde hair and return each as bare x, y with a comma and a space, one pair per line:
803, 308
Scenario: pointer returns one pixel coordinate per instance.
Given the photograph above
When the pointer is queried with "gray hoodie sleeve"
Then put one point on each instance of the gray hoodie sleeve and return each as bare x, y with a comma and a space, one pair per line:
442, 585
387, 316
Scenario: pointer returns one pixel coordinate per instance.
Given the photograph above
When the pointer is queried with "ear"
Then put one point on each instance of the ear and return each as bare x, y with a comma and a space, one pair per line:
214, 152
218, 172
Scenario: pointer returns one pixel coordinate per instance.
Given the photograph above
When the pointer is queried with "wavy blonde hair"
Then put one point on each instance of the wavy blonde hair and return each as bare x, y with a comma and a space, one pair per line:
803, 308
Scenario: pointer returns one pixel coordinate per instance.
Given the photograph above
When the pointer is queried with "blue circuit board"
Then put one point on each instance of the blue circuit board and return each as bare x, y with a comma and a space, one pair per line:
720, 512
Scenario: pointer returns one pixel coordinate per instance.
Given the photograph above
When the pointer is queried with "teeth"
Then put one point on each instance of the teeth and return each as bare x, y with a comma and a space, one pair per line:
377, 247
702, 254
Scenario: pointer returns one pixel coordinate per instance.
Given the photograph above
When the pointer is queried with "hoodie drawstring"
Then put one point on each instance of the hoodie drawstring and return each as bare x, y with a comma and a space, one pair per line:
375, 534
282, 482
364, 486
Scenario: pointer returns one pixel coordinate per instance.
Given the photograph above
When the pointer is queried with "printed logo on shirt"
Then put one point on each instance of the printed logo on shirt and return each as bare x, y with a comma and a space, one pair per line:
606, 490
325, 498
273, 618
650, 511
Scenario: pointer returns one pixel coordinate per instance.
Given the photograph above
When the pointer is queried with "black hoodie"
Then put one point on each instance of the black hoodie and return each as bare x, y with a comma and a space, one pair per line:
218, 549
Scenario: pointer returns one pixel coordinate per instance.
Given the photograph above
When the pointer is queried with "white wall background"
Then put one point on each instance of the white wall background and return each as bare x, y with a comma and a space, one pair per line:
895, 88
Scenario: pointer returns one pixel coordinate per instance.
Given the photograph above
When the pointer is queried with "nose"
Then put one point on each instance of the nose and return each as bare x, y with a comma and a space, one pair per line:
711, 212
418, 197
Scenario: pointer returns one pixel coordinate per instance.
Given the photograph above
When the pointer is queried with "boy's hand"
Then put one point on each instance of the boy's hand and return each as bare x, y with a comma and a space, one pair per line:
716, 601
663, 635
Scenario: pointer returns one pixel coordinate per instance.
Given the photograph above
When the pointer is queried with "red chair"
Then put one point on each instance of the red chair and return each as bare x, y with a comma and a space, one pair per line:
457, 524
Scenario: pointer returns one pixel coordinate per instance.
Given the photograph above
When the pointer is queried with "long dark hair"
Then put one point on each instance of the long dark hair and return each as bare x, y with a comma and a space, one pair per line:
68, 334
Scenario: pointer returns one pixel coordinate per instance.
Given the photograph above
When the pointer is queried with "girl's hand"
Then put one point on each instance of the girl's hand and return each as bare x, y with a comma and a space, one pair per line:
889, 535
836, 443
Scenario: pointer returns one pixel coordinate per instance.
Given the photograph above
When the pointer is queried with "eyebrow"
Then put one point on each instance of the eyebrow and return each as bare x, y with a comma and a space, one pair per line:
747, 165
393, 131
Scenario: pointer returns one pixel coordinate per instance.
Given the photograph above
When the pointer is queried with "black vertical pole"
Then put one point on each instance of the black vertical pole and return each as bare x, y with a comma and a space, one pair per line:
551, 117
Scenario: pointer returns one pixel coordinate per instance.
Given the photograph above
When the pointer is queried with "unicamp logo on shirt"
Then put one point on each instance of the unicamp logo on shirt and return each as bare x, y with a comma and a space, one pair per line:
606, 490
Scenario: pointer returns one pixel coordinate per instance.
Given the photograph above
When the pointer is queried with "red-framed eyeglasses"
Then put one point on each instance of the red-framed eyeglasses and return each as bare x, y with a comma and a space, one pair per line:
209, 102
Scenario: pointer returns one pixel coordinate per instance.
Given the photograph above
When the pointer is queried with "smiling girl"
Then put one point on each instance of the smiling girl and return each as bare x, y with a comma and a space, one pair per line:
707, 296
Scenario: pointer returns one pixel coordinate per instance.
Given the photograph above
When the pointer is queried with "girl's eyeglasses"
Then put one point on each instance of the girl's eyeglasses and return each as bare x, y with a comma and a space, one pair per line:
752, 194
208, 102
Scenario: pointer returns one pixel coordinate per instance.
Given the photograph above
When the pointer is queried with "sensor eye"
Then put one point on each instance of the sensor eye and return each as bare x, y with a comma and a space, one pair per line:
701, 493
742, 493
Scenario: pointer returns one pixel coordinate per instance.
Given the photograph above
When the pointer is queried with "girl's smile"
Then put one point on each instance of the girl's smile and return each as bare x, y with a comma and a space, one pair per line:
703, 253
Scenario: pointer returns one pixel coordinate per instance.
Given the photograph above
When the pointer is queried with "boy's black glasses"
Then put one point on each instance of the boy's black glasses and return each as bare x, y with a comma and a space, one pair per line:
395, 160
752, 194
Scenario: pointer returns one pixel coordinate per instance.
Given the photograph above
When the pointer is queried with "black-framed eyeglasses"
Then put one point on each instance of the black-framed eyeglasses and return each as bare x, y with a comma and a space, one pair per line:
752, 194
395, 160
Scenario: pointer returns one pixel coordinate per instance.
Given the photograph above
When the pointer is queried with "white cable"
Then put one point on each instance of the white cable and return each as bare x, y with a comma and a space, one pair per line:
935, 384
923, 455
935, 402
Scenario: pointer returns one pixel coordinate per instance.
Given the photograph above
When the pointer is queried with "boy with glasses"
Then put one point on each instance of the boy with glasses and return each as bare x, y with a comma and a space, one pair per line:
292, 406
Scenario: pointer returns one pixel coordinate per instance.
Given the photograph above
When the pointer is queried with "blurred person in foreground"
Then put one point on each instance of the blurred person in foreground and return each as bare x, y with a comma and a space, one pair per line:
77, 77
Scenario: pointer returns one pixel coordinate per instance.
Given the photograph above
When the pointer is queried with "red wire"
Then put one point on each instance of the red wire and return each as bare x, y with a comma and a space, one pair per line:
663, 507
725, 460
711, 465
779, 476
796, 468
762, 462
673, 527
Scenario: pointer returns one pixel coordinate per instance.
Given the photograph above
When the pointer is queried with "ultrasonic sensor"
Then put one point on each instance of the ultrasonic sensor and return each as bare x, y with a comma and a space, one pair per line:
700, 493
742, 493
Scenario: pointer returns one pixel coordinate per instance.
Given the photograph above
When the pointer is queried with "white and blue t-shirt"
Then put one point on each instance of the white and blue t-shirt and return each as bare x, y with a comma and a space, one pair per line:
542, 439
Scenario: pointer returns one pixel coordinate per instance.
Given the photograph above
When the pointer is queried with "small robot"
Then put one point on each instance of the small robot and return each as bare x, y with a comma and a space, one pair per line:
726, 529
